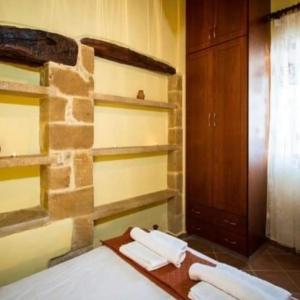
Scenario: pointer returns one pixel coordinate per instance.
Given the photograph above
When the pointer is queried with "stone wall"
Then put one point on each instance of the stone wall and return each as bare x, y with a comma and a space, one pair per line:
175, 159
67, 133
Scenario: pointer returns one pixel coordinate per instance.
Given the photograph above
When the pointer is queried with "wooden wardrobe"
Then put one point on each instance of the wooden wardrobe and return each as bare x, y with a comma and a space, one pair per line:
227, 121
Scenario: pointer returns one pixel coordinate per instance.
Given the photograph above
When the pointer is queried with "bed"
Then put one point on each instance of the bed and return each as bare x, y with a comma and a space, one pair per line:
98, 274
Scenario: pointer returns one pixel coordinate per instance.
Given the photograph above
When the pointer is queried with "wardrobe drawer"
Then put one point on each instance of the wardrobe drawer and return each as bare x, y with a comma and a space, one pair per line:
232, 241
231, 222
201, 213
202, 229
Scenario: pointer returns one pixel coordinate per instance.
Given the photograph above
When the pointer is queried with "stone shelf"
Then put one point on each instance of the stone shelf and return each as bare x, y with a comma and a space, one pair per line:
118, 100
108, 210
23, 89
24, 160
133, 150
24, 219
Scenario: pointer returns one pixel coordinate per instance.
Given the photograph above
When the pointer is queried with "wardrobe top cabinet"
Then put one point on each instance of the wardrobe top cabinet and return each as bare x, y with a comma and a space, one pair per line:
210, 22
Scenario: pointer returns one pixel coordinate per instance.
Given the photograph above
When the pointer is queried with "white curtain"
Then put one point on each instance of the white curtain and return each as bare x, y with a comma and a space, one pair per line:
284, 144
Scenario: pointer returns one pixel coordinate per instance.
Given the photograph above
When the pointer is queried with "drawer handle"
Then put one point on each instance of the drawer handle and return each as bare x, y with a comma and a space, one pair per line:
197, 228
230, 242
197, 212
230, 223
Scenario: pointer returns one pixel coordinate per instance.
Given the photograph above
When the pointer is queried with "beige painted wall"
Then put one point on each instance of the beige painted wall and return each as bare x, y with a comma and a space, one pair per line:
280, 4
154, 27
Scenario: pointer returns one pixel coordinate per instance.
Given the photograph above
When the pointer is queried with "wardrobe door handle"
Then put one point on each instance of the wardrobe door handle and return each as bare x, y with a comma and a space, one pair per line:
209, 116
230, 242
214, 32
197, 212
230, 223
215, 122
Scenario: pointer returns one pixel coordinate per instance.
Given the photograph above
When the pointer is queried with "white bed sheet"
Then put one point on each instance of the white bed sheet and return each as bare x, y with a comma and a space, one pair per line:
98, 274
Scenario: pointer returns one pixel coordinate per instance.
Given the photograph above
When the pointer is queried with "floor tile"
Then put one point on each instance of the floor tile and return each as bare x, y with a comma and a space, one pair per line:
264, 262
295, 278
271, 262
279, 278
288, 262
234, 261
273, 249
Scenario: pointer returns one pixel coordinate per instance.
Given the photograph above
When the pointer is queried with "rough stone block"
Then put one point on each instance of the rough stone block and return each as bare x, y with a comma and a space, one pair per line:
175, 161
57, 178
175, 118
83, 229
83, 110
175, 224
175, 215
175, 181
175, 136
70, 204
87, 58
175, 97
63, 137
53, 109
83, 169
69, 82
175, 205
175, 82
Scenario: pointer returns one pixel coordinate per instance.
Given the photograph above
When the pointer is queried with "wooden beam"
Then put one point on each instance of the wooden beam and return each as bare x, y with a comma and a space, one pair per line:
23, 89
122, 206
24, 160
36, 47
127, 56
24, 219
111, 99
133, 150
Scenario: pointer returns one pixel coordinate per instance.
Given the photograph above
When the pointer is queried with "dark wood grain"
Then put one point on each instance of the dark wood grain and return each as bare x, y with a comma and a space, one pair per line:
230, 131
232, 161
258, 115
200, 20
199, 129
211, 22
36, 47
230, 20
127, 56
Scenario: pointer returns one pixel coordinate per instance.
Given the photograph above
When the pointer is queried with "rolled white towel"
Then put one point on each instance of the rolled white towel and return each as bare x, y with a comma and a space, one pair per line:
171, 240
225, 281
204, 290
159, 246
267, 287
143, 256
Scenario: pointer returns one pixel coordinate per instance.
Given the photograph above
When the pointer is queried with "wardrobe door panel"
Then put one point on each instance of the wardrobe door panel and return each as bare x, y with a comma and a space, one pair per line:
230, 19
199, 24
230, 121
199, 129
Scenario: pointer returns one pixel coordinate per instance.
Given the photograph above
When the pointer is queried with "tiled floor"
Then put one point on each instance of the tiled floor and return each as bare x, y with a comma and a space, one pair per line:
270, 262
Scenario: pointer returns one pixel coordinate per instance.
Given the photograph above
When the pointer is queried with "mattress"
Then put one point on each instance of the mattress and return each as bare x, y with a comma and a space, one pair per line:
98, 274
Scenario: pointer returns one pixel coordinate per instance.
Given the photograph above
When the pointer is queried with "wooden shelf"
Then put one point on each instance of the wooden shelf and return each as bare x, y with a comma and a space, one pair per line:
16, 221
110, 99
24, 160
133, 150
107, 210
23, 89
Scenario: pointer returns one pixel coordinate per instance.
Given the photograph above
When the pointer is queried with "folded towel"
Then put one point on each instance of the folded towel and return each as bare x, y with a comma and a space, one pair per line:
267, 287
228, 283
171, 240
161, 247
204, 290
143, 256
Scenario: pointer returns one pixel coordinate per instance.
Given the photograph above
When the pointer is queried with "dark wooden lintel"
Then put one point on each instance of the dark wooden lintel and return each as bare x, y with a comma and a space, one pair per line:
127, 56
36, 47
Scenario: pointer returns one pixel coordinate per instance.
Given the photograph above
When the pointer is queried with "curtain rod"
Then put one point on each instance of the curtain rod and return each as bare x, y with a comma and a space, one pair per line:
280, 13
